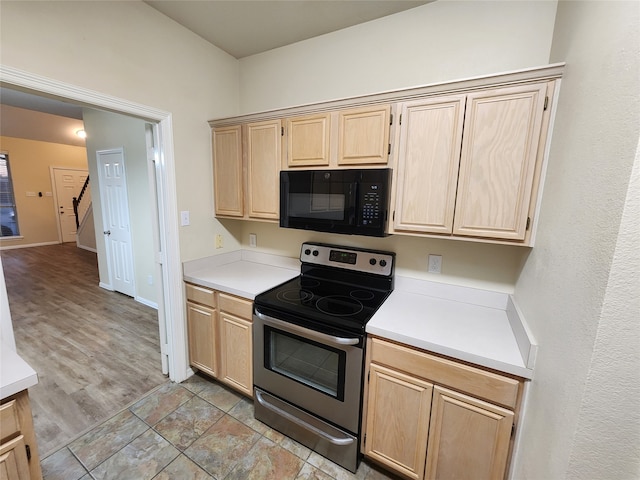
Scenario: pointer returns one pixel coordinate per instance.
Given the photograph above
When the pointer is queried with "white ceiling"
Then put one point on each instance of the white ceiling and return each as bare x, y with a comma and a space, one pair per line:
246, 27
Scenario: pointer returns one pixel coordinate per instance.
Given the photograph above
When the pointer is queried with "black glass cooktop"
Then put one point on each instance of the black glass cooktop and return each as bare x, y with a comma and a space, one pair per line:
327, 302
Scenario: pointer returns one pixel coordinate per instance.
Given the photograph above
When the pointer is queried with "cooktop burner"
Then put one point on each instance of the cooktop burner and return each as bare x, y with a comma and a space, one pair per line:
339, 287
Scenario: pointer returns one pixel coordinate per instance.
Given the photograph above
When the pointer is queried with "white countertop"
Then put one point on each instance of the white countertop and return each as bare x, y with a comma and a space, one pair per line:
15, 374
241, 275
477, 326
473, 333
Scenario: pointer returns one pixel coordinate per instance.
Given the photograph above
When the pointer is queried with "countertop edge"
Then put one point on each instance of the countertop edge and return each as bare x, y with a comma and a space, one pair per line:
16, 372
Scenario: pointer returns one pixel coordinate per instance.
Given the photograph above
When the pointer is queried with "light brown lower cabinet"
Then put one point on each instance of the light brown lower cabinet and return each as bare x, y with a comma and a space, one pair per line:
220, 336
19, 458
430, 417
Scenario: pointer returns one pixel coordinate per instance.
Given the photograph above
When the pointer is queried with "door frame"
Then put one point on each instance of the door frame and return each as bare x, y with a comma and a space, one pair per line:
173, 299
52, 170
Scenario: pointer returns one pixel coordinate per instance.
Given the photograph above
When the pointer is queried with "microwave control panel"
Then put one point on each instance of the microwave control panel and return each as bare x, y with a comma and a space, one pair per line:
370, 204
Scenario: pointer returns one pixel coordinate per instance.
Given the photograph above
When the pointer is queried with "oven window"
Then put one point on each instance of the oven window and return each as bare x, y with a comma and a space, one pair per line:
305, 361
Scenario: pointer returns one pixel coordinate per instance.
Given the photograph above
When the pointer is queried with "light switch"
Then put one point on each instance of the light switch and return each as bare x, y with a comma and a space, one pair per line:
435, 264
184, 218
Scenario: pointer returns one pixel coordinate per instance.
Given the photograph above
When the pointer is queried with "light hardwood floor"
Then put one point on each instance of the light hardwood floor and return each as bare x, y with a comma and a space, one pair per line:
95, 351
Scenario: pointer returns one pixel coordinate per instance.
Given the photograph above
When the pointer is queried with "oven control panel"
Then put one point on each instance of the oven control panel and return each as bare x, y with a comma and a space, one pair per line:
348, 258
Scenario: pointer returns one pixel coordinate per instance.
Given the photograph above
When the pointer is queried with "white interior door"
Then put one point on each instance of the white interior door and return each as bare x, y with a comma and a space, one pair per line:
68, 183
115, 218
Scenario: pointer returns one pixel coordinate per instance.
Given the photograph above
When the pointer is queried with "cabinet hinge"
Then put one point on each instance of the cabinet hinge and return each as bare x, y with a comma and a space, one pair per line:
400, 120
368, 376
513, 429
282, 131
391, 119
528, 223
393, 217
389, 150
546, 102
28, 449
364, 440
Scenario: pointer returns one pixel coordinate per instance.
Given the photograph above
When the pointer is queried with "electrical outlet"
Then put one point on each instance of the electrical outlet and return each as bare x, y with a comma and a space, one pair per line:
218, 241
150, 279
435, 264
184, 218
253, 240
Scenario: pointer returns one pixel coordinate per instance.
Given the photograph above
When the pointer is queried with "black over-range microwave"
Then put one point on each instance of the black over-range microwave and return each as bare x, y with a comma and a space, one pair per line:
352, 201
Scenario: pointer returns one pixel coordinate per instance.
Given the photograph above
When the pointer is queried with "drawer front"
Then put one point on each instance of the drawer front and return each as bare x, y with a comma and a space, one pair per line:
237, 306
474, 381
9, 420
201, 295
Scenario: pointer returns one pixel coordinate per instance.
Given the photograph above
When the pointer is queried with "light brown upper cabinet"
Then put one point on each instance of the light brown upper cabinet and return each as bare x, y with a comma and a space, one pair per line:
227, 171
246, 166
427, 173
308, 140
497, 165
363, 135
469, 165
263, 152
343, 138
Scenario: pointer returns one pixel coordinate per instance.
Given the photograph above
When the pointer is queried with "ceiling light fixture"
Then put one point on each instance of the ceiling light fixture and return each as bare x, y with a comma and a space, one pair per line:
81, 133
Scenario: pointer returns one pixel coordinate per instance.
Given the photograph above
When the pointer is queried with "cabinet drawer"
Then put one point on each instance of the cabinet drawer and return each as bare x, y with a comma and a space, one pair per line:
9, 420
201, 295
236, 306
474, 381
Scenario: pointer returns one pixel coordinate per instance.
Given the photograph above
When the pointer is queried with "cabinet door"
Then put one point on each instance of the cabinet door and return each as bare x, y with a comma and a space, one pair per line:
397, 420
363, 135
201, 322
236, 352
501, 136
263, 169
14, 464
308, 140
468, 438
428, 159
227, 171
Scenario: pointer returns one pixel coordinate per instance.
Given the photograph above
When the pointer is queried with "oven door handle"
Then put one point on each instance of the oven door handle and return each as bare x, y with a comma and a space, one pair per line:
301, 423
322, 337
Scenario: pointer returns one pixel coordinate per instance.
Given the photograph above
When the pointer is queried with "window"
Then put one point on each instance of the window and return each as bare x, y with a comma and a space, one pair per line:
8, 214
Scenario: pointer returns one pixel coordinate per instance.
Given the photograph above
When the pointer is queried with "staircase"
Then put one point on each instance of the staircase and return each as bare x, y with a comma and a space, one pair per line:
83, 210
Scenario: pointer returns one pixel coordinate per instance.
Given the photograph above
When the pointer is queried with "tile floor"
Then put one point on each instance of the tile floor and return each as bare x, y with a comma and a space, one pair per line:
194, 430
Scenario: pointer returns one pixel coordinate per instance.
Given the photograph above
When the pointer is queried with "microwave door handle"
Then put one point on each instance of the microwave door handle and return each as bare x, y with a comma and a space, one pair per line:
322, 337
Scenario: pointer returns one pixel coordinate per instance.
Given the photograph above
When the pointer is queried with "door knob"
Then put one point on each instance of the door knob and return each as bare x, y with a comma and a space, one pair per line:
107, 232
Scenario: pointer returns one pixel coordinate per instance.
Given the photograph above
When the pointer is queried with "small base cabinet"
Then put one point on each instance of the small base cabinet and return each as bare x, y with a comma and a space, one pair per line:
220, 336
431, 417
19, 458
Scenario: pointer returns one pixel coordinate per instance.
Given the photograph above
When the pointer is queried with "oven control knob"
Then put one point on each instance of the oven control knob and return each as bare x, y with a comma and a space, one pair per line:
307, 252
383, 263
372, 261
315, 253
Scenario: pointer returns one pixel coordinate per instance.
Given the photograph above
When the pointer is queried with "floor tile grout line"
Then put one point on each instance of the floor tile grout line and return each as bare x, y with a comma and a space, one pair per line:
101, 422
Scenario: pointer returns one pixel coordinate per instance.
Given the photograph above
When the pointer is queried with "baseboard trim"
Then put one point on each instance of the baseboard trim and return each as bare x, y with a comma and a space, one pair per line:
106, 286
83, 247
146, 302
29, 245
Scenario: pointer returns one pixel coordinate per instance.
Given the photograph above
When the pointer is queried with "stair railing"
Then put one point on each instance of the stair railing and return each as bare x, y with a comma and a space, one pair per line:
76, 201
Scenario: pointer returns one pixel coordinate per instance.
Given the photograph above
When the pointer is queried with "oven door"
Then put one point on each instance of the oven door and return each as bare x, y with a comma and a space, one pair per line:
319, 373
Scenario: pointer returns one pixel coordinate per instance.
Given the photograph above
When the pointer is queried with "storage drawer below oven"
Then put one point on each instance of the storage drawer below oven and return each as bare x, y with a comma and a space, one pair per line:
337, 445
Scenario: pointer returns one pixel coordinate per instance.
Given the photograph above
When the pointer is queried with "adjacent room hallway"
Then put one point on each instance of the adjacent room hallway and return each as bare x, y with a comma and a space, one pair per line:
95, 351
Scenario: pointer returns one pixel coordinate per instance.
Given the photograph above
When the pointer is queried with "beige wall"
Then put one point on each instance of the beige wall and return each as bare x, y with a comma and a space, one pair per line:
107, 131
131, 51
440, 41
576, 290
30, 163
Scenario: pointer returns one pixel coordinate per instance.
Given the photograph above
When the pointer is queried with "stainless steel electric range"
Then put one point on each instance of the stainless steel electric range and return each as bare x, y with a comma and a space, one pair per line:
309, 338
